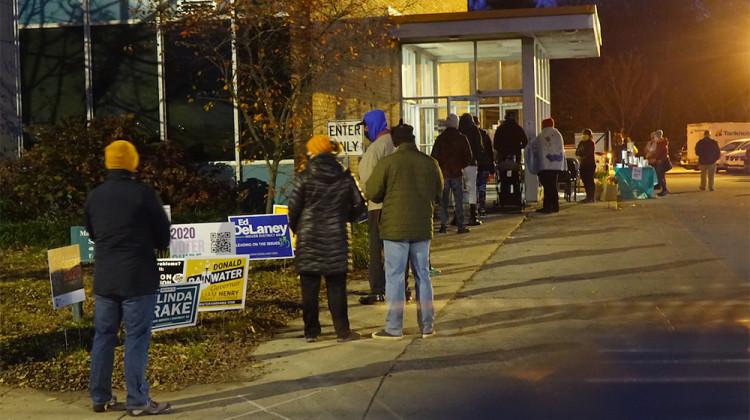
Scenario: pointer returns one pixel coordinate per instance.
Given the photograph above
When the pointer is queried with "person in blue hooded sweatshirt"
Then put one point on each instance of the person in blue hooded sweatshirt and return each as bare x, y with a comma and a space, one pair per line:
381, 144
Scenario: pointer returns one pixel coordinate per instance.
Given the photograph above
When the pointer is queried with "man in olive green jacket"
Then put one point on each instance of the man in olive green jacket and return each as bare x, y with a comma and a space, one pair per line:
408, 183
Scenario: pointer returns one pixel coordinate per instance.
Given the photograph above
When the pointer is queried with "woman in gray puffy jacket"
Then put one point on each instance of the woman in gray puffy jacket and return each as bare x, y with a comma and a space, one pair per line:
325, 199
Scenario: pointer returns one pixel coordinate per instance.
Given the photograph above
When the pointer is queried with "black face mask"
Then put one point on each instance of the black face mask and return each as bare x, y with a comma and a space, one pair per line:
367, 135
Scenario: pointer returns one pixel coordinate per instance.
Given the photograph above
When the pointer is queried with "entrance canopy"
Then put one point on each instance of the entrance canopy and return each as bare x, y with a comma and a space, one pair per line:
563, 32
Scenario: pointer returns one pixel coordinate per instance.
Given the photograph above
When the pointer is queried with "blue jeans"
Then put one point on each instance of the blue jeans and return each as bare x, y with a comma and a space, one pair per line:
397, 253
138, 314
455, 185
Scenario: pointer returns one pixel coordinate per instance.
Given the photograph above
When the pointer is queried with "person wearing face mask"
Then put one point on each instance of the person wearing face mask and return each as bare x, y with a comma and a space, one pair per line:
585, 154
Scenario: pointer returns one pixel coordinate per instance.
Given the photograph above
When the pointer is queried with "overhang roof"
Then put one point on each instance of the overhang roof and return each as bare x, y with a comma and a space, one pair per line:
564, 32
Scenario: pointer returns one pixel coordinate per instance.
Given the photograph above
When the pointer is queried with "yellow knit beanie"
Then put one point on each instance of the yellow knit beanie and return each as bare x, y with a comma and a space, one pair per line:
322, 144
121, 154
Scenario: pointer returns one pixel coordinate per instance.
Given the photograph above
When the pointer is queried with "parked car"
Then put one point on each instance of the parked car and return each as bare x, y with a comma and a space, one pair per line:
682, 155
729, 148
737, 160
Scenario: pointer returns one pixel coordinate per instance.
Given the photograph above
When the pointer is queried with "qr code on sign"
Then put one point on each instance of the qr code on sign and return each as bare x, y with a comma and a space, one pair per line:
221, 242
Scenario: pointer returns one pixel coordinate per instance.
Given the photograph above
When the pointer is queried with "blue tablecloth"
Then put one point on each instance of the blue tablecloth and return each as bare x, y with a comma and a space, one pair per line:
636, 188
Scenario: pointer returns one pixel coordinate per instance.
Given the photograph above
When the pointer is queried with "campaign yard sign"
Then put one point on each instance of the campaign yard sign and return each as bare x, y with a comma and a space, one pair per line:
350, 134
79, 236
201, 240
223, 281
263, 236
171, 270
282, 209
66, 276
176, 306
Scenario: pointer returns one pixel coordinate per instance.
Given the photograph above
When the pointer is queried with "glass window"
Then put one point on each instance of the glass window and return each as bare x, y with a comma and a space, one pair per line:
109, 10
408, 72
124, 73
206, 131
499, 64
49, 12
52, 74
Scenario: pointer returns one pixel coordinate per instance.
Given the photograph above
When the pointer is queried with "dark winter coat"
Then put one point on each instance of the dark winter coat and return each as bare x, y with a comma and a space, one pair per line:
452, 151
126, 221
486, 161
408, 183
509, 140
708, 151
585, 152
467, 128
325, 199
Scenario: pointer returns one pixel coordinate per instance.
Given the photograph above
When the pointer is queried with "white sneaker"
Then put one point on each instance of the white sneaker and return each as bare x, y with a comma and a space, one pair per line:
150, 409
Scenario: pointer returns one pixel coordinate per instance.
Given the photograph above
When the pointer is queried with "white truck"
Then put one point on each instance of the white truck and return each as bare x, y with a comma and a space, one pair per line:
722, 132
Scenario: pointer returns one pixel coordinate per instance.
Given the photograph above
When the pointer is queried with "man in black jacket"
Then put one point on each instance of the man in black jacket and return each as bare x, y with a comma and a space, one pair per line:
509, 140
708, 153
126, 221
453, 153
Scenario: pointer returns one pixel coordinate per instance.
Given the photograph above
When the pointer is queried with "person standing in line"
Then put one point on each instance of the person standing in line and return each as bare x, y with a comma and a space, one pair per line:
381, 144
407, 182
708, 153
485, 166
453, 154
325, 199
585, 154
662, 164
127, 222
546, 157
510, 139
467, 127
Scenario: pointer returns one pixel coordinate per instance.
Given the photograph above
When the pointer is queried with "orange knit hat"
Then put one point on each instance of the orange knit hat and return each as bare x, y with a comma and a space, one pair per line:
322, 144
121, 154
548, 122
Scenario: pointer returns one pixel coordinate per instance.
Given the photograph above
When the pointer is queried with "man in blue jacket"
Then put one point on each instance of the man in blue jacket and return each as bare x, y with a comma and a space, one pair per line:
126, 221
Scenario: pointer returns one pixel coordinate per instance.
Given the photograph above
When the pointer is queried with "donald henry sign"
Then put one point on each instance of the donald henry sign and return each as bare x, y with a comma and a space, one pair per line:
349, 134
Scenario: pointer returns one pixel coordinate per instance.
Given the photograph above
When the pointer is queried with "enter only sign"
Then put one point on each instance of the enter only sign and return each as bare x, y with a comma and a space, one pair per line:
349, 134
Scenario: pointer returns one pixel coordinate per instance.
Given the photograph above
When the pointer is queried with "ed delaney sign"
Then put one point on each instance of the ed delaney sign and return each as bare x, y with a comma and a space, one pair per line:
263, 237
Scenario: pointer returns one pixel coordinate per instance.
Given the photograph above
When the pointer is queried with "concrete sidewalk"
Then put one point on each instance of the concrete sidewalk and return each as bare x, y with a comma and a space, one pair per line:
530, 310
296, 372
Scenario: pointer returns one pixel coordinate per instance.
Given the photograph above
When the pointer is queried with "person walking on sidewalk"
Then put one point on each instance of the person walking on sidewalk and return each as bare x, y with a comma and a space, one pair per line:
325, 199
381, 144
453, 154
585, 154
126, 220
467, 127
485, 166
407, 182
708, 153
546, 157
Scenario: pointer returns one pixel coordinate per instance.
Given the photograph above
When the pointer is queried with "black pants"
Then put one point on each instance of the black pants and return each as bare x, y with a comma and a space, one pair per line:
336, 289
376, 268
548, 179
587, 177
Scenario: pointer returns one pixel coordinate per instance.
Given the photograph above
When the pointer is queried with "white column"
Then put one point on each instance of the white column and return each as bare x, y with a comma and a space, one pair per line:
528, 70
11, 139
160, 82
